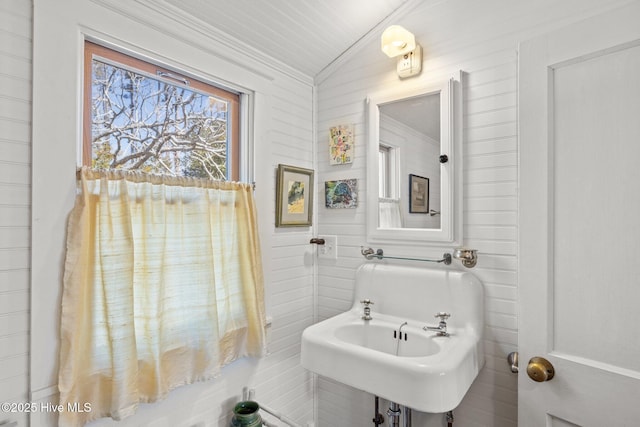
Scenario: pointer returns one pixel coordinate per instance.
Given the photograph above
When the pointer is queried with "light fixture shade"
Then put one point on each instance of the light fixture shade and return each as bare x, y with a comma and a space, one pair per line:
397, 41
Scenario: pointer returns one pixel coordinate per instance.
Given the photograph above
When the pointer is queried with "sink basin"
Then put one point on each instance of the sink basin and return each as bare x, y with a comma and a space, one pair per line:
385, 336
406, 365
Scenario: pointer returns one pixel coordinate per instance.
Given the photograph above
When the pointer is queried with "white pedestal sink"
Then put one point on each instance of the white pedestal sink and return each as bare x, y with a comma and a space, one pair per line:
406, 365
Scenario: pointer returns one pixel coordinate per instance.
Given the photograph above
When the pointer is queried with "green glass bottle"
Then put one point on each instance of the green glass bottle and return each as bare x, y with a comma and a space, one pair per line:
245, 414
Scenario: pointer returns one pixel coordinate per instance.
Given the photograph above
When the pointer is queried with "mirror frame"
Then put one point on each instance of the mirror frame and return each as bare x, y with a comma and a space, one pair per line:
451, 189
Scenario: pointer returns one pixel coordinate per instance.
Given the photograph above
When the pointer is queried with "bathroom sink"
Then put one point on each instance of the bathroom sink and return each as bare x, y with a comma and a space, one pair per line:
386, 336
402, 362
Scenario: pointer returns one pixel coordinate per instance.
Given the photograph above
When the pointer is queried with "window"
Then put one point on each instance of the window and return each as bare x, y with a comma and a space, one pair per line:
388, 167
383, 167
163, 281
139, 116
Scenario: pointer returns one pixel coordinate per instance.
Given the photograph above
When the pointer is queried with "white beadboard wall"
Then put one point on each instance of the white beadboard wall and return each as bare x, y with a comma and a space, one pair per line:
15, 194
284, 134
480, 38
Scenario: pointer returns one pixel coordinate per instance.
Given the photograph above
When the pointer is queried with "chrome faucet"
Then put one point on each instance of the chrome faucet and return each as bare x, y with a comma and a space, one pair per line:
367, 310
441, 329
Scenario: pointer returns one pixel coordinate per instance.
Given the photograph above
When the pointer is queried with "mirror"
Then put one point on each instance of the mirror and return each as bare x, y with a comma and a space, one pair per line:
409, 146
414, 193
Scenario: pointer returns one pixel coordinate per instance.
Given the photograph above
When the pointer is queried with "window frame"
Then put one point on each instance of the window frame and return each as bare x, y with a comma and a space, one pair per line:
383, 164
94, 50
388, 180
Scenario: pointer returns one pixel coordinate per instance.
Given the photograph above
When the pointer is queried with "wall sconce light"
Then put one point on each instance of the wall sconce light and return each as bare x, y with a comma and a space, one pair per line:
396, 41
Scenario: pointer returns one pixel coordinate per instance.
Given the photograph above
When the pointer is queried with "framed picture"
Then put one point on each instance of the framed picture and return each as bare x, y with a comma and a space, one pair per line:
341, 145
294, 196
418, 194
342, 193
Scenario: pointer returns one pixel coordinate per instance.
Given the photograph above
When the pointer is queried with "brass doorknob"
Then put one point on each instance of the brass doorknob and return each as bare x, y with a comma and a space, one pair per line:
540, 369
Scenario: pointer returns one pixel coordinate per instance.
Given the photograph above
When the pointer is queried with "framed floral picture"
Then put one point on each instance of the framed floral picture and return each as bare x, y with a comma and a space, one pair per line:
294, 196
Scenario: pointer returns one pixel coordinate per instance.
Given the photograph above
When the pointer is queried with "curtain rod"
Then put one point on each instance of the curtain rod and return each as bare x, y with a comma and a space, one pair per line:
79, 174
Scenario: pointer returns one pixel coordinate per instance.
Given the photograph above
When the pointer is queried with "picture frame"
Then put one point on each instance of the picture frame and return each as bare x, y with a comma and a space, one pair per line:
294, 196
418, 194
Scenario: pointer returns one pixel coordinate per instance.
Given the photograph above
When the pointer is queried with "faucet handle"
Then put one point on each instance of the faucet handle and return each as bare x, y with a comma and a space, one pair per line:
442, 315
366, 302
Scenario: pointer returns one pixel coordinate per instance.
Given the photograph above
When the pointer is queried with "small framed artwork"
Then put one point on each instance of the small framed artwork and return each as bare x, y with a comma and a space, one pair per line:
294, 196
418, 194
341, 193
341, 145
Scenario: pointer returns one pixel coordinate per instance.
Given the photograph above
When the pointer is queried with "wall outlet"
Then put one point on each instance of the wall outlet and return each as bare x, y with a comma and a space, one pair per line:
330, 248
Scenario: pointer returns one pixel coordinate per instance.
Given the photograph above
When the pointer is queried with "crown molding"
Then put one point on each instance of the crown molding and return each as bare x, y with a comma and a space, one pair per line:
254, 59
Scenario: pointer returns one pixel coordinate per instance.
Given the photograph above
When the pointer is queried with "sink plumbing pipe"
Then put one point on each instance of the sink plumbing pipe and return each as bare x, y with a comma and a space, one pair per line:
450, 419
249, 394
378, 418
394, 414
406, 419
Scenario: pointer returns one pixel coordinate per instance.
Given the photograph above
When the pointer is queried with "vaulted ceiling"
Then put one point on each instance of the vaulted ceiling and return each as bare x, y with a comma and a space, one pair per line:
307, 35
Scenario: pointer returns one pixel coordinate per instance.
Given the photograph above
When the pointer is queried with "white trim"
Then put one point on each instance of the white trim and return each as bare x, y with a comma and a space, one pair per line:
247, 140
209, 32
142, 53
451, 188
316, 286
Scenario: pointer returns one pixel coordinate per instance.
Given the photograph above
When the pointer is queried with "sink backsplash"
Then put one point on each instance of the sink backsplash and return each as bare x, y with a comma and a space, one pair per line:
418, 293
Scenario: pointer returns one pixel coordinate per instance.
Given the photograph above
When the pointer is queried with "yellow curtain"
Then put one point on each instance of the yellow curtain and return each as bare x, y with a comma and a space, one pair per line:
163, 286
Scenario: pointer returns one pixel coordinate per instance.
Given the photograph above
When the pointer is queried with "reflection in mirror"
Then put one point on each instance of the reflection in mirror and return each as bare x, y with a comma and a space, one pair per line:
409, 144
412, 194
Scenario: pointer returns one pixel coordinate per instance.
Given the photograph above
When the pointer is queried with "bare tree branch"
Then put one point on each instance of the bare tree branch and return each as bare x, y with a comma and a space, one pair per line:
156, 126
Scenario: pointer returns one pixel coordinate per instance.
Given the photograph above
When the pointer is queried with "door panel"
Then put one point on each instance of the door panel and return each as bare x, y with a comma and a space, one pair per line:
578, 222
596, 202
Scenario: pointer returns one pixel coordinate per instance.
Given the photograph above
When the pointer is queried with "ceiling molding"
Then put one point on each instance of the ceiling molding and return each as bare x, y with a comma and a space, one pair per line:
208, 32
224, 39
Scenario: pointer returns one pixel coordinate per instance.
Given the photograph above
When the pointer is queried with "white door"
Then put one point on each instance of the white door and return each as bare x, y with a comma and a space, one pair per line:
579, 225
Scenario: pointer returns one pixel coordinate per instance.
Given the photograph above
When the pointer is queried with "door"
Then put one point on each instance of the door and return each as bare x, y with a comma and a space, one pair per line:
579, 223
